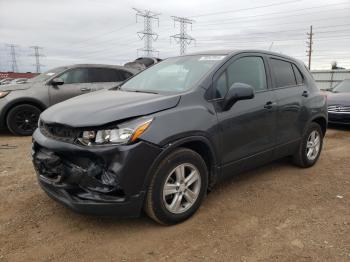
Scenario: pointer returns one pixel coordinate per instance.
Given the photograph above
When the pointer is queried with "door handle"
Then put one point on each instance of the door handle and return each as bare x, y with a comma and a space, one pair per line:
269, 105
305, 93
85, 89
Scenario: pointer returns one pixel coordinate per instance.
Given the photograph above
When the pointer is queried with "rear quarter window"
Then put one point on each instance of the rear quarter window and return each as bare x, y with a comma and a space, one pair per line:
298, 75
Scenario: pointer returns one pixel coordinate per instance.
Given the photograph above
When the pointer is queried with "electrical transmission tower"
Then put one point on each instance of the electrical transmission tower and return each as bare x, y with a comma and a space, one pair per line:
14, 66
37, 58
147, 34
183, 38
309, 46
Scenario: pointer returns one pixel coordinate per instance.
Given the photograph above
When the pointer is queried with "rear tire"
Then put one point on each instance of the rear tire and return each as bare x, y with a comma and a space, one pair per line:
178, 187
310, 146
23, 119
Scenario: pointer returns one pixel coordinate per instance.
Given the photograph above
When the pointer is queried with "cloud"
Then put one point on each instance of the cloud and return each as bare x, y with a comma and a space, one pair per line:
91, 31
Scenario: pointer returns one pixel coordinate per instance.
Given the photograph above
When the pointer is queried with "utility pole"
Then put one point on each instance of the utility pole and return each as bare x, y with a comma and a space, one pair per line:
309, 45
147, 34
14, 66
183, 38
37, 58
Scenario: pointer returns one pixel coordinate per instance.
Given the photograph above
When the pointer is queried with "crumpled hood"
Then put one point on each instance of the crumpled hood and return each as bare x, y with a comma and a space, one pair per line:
106, 106
338, 98
15, 87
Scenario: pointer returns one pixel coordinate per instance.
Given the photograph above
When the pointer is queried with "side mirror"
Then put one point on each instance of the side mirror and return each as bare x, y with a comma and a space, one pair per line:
57, 81
238, 91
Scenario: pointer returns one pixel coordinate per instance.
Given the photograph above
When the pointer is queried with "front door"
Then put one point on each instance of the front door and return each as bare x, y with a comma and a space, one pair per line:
76, 82
248, 128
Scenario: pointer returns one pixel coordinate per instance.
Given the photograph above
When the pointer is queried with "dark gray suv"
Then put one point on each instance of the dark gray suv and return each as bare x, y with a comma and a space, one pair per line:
21, 104
167, 135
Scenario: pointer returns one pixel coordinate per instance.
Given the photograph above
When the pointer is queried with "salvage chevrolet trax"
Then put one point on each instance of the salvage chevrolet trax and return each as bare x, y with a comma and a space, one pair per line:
165, 137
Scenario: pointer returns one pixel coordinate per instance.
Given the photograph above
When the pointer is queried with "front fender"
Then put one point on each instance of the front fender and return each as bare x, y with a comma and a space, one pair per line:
174, 144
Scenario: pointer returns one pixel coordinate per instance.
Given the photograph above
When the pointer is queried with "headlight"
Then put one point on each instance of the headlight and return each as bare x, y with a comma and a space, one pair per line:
120, 134
4, 93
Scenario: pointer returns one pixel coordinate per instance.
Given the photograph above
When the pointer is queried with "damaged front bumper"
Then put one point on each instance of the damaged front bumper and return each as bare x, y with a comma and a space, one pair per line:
109, 180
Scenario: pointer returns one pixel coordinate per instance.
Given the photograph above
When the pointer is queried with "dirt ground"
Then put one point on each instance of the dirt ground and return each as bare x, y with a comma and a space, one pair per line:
275, 213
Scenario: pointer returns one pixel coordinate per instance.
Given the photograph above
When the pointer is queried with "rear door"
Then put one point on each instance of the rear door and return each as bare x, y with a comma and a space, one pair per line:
104, 78
290, 93
76, 82
249, 127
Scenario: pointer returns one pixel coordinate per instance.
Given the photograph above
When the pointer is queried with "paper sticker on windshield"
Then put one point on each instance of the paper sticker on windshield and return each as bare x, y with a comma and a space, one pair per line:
212, 58
50, 74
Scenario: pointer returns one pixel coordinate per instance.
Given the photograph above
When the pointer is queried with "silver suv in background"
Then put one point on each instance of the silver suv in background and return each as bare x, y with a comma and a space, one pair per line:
21, 104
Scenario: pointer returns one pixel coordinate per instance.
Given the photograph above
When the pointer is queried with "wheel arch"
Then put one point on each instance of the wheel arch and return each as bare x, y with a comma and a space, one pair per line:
22, 101
322, 121
200, 145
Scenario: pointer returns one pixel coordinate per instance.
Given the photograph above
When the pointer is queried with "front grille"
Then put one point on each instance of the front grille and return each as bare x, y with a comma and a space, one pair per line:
59, 132
338, 109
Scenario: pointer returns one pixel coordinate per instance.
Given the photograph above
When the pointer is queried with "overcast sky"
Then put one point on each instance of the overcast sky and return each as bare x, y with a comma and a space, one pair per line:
105, 31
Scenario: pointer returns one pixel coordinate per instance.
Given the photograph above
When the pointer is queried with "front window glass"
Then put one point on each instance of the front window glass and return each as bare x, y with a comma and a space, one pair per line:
75, 76
342, 87
47, 75
173, 75
248, 70
221, 86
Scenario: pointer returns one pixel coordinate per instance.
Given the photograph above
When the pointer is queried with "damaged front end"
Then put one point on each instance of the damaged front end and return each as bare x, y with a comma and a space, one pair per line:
71, 170
104, 180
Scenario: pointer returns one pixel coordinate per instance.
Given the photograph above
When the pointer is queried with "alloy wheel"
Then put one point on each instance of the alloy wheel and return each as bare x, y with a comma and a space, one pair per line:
313, 145
26, 120
181, 188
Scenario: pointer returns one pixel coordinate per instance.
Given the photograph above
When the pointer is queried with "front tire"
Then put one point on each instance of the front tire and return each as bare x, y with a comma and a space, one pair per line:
310, 146
178, 187
23, 119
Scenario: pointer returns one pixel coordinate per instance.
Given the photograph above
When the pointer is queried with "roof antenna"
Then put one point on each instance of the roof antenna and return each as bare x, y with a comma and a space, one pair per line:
270, 48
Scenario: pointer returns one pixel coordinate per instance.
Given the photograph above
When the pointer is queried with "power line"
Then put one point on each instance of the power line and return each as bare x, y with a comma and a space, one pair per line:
183, 38
147, 34
37, 55
105, 48
280, 13
14, 66
205, 27
103, 34
245, 9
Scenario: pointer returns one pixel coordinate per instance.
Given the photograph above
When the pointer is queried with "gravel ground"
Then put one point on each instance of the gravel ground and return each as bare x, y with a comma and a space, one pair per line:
275, 213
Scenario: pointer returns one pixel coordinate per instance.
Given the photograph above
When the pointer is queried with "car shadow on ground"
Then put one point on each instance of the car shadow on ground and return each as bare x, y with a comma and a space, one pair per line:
5, 132
339, 127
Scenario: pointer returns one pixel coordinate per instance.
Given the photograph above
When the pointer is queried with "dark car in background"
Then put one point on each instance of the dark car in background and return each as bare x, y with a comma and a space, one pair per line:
339, 103
21, 104
142, 63
166, 136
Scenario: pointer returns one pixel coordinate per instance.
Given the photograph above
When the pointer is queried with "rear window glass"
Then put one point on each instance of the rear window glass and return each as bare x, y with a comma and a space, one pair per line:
283, 73
105, 75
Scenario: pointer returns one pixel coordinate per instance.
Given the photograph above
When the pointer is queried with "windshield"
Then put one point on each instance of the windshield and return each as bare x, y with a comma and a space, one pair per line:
342, 87
47, 75
173, 75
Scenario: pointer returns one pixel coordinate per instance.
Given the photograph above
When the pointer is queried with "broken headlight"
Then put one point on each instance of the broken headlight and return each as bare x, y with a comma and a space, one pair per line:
121, 134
